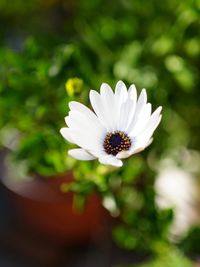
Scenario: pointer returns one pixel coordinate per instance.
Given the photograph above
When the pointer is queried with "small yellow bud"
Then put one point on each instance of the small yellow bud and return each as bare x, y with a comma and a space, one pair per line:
73, 86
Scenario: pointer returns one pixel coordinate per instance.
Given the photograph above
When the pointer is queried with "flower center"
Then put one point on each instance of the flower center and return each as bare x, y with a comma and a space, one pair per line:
116, 142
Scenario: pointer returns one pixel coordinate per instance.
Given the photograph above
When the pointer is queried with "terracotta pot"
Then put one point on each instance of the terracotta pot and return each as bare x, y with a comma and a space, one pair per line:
41, 206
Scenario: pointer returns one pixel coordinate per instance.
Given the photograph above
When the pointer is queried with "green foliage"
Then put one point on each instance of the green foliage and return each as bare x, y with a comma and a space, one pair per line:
169, 257
190, 242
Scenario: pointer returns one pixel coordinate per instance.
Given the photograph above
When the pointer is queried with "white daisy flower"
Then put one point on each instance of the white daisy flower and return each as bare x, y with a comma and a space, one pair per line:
120, 126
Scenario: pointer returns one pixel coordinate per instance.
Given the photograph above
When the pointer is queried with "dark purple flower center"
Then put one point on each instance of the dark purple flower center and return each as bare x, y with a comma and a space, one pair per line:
116, 142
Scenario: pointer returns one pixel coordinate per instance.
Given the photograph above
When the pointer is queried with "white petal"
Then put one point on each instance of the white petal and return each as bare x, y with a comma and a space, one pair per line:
135, 148
155, 115
121, 92
84, 132
141, 103
115, 162
94, 126
81, 122
126, 114
73, 105
80, 154
132, 92
110, 160
139, 149
66, 119
65, 132
142, 99
131, 103
107, 98
106, 90
142, 120
123, 154
76, 106
97, 153
154, 120
154, 123
144, 139
83, 141
149, 142
121, 96
100, 106
88, 142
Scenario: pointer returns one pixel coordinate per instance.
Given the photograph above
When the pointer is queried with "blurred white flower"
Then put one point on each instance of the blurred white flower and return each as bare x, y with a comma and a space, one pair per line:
121, 126
177, 188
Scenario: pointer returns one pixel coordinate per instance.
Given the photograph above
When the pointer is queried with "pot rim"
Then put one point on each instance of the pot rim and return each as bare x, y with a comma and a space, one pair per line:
42, 190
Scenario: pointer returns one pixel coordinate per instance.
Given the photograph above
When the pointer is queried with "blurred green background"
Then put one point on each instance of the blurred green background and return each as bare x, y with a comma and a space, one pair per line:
54, 51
